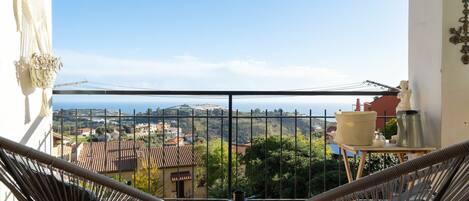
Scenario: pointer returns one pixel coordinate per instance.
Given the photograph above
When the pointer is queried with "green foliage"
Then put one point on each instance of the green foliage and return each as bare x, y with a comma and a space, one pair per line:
217, 166
100, 130
79, 139
332, 175
377, 162
141, 179
156, 140
243, 126
121, 180
264, 159
390, 128
127, 128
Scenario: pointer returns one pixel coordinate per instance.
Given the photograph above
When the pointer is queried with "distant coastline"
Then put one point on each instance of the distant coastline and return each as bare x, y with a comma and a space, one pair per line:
128, 107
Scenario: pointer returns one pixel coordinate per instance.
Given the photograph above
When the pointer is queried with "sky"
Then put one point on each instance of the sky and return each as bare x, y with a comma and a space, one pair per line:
231, 45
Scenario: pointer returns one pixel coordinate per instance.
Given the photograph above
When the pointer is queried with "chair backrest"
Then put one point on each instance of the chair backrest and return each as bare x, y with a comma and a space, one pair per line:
440, 175
34, 175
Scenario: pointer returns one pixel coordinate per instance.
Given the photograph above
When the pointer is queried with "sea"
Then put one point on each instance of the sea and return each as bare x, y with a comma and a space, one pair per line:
127, 107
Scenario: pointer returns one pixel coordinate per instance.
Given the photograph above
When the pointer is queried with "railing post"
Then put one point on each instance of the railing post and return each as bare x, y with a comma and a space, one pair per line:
325, 152
61, 133
230, 141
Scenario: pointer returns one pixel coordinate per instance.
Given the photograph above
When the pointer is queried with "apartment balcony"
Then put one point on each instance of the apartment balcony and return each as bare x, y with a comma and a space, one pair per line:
225, 151
207, 151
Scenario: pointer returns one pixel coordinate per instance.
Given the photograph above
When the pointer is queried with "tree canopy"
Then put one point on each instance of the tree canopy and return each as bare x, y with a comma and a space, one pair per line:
288, 167
216, 162
146, 179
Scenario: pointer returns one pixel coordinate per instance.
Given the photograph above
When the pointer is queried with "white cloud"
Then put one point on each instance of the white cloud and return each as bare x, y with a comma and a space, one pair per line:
191, 73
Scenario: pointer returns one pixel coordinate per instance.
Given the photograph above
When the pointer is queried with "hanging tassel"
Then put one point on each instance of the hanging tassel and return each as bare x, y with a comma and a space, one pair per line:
45, 104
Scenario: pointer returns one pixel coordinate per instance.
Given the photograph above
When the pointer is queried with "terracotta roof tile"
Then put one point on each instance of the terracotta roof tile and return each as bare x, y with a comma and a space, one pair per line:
94, 156
171, 158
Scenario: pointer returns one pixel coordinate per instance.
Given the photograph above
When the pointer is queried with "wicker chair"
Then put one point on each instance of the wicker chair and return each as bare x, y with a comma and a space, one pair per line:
34, 175
440, 175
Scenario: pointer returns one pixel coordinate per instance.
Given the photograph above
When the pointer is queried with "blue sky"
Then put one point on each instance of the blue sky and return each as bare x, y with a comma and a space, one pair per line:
243, 44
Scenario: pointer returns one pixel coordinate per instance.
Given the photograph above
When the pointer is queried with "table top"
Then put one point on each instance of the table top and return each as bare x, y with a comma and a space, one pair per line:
393, 149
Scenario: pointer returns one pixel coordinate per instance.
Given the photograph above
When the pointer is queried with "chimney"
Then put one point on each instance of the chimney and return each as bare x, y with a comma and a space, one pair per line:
357, 105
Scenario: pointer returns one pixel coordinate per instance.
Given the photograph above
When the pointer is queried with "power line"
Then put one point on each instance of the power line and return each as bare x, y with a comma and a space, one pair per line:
363, 86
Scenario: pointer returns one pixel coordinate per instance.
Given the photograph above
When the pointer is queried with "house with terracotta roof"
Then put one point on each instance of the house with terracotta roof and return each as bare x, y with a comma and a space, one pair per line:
241, 148
175, 141
383, 106
111, 158
62, 147
330, 134
175, 164
85, 131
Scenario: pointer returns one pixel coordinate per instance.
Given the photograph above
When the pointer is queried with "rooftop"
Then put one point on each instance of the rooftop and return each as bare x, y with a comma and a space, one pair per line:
103, 157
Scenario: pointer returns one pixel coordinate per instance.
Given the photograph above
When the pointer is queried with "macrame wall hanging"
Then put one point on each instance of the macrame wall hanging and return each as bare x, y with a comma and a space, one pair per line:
36, 48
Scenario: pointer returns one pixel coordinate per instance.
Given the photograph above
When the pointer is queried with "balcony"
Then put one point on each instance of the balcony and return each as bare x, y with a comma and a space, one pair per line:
213, 152
208, 151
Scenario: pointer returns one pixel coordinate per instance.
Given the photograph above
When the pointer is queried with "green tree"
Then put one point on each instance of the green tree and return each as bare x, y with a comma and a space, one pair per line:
141, 180
156, 140
100, 130
265, 157
376, 162
127, 129
216, 161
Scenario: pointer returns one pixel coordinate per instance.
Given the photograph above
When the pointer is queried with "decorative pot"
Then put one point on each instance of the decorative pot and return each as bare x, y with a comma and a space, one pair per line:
355, 128
43, 70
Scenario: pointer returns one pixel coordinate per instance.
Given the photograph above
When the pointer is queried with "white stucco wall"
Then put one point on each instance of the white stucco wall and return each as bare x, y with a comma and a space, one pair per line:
455, 81
425, 41
19, 102
438, 78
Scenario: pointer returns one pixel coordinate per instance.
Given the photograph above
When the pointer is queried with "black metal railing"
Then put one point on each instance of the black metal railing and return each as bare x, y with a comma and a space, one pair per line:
239, 142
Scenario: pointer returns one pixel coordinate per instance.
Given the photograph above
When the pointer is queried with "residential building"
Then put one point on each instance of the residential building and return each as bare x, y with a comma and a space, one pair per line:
85, 131
143, 129
384, 106
175, 141
125, 158
111, 158
330, 134
189, 138
176, 171
241, 148
63, 148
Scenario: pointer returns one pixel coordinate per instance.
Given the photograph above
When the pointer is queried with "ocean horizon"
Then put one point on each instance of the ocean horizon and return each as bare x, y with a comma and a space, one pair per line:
129, 107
